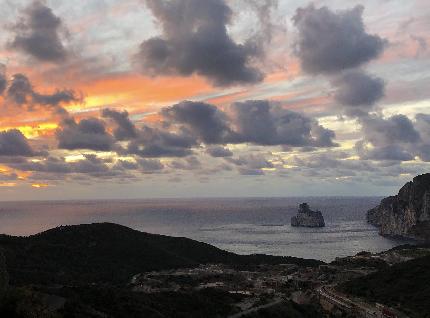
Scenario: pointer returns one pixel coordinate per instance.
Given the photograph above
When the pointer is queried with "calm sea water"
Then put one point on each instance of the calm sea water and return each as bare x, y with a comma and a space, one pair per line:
244, 226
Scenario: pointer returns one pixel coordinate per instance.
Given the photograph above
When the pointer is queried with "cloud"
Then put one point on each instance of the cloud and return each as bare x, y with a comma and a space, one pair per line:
393, 130
357, 90
329, 42
3, 80
188, 125
195, 40
14, 143
263, 123
150, 165
389, 152
87, 134
53, 168
395, 138
153, 142
125, 129
219, 151
38, 34
190, 163
251, 164
423, 126
203, 120
20, 92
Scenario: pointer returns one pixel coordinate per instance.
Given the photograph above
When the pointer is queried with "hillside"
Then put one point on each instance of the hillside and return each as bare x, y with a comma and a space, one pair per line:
106, 252
405, 284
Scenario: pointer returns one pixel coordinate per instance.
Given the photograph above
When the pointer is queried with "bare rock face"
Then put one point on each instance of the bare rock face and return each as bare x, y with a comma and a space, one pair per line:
406, 214
307, 218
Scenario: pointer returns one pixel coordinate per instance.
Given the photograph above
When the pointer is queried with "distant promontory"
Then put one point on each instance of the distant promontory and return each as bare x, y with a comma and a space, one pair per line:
406, 214
307, 218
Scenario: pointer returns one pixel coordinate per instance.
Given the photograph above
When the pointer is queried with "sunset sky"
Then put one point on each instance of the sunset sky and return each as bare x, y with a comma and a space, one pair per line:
196, 98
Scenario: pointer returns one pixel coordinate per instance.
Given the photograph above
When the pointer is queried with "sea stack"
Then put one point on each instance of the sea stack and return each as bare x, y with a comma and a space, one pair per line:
307, 218
406, 214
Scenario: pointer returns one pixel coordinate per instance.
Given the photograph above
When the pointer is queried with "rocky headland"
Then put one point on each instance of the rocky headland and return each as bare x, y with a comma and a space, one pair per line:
406, 214
307, 218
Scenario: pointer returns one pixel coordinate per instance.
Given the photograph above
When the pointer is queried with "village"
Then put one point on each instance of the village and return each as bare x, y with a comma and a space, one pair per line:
264, 285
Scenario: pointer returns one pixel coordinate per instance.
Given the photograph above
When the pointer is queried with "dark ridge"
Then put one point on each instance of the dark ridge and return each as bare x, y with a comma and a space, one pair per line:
107, 252
405, 285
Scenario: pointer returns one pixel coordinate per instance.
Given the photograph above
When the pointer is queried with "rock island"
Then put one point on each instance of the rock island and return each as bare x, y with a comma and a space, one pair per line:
307, 218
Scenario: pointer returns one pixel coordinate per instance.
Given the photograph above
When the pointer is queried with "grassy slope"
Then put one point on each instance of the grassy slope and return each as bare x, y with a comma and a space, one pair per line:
407, 284
111, 253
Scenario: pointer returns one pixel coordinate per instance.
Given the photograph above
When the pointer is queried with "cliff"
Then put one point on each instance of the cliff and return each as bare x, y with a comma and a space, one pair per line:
307, 218
406, 214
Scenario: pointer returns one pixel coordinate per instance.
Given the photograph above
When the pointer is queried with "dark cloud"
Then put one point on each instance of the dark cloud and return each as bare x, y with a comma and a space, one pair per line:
155, 142
329, 42
393, 130
8, 176
190, 163
204, 121
330, 163
219, 151
423, 126
3, 80
126, 165
91, 165
125, 129
263, 123
250, 172
150, 165
52, 168
142, 165
251, 164
38, 34
396, 138
389, 153
253, 161
22, 93
189, 124
195, 41
14, 143
87, 134
358, 91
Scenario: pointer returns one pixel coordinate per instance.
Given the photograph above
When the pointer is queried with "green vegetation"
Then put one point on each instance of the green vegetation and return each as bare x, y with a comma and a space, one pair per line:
112, 253
287, 309
108, 301
405, 285
359, 262
4, 277
85, 270
118, 302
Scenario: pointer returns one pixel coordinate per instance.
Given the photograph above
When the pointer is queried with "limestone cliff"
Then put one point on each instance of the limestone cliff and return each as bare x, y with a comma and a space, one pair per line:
307, 218
406, 214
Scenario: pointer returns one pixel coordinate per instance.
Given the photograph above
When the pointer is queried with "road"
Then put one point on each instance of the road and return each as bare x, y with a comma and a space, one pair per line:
251, 310
351, 305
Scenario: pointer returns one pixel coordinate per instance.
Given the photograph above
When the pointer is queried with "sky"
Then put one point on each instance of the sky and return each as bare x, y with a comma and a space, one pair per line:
112, 99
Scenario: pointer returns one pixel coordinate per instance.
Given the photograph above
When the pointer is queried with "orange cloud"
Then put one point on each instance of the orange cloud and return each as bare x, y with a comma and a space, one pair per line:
40, 185
8, 184
134, 92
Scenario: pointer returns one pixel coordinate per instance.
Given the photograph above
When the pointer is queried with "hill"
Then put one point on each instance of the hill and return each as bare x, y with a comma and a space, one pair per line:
405, 285
106, 252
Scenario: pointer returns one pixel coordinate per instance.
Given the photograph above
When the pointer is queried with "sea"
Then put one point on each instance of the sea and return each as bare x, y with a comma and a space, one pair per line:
240, 225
